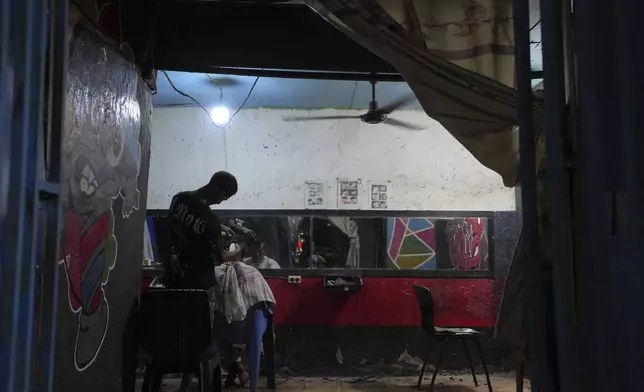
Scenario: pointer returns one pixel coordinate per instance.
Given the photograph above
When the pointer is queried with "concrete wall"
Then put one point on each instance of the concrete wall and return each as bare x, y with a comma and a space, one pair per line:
273, 159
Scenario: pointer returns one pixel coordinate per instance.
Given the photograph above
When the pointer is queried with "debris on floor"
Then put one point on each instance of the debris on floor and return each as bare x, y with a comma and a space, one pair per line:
455, 382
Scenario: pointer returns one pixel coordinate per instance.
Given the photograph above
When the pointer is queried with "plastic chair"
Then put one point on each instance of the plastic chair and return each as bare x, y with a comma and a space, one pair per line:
446, 335
256, 329
175, 332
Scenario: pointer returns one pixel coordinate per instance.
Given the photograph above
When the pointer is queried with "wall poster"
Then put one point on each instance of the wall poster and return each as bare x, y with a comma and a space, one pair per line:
379, 196
314, 194
348, 191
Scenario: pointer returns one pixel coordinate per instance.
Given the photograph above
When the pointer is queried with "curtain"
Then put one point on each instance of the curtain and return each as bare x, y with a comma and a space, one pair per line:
148, 249
457, 57
509, 320
350, 228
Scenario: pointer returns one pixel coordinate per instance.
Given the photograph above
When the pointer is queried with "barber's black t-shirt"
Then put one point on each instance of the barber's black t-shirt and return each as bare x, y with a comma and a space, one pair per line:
195, 235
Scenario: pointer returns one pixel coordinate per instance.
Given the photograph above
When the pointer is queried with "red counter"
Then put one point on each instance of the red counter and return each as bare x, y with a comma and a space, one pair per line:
386, 302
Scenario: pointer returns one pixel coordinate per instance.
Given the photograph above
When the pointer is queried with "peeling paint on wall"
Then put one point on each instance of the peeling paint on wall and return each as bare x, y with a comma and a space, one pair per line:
273, 159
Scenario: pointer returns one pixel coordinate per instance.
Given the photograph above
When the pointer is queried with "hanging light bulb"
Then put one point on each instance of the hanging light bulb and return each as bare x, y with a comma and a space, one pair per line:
220, 115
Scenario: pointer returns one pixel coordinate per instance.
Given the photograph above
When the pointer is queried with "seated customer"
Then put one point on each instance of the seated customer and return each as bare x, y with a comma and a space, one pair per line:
255, 255
195, 235
242, 302
242, 306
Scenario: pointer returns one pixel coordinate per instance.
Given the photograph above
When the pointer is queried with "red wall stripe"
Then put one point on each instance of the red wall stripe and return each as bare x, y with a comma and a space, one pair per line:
459, 302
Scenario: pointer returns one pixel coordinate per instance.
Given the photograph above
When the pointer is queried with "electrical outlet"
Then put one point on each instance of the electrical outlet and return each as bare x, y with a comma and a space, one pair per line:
295, 279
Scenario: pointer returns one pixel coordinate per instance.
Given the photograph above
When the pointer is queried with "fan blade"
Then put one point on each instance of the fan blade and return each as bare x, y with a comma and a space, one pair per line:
312, 118
397, 104
403, 124
222, 81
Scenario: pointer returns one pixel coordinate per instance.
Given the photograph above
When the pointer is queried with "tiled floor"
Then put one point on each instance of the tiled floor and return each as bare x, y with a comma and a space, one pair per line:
447, 383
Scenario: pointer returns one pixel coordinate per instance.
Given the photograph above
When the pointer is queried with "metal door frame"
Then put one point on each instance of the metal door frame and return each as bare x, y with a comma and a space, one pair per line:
33, 58
549, 301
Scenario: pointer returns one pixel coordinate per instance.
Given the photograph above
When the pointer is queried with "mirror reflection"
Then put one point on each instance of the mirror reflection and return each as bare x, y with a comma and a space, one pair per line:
352, 242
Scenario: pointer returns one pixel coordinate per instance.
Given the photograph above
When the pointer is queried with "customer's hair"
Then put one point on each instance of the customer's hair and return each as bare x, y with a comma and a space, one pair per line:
224, 181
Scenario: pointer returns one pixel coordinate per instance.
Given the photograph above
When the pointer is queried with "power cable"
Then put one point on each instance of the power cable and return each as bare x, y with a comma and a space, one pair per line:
176, 89
225, 141
535, 25
215, 81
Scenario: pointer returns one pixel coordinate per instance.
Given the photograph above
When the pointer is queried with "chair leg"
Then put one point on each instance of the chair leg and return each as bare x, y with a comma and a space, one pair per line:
268, 341
216, 379
147, 380
233, 372
438, 363
186, 382
422, 370
519, 375
487, 374
210, 374
157, 380
469, 359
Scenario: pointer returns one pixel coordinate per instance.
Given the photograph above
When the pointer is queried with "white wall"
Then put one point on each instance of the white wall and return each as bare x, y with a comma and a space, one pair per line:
272, 160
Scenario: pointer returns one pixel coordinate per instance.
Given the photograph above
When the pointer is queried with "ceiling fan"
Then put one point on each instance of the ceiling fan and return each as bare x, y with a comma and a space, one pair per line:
222, 80
375, 114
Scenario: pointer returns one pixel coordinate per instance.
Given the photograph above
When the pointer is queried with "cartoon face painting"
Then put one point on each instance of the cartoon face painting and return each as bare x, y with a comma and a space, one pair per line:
101, 162
467, 241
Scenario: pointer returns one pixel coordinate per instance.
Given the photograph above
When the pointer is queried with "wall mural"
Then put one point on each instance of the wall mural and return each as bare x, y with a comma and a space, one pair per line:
468, 243
101, 163
411, 243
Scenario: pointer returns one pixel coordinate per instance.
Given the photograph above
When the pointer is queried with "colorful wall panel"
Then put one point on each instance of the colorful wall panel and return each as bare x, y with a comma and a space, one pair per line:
411, 243
425, 243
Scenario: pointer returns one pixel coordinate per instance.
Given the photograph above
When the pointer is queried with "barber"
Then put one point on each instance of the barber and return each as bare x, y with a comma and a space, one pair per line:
196, 245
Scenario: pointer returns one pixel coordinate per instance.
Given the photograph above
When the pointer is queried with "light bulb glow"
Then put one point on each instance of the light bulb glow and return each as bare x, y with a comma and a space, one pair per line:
220, 115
